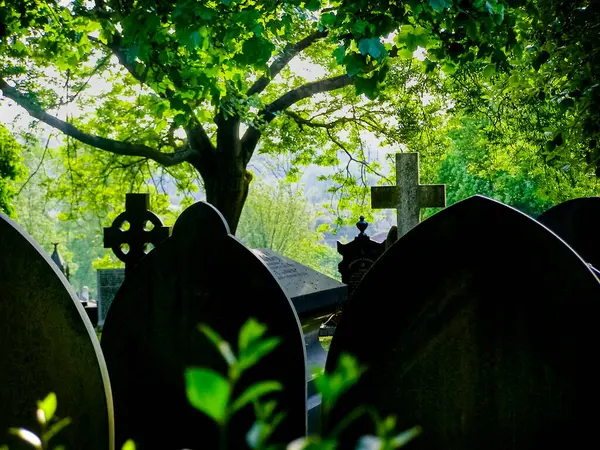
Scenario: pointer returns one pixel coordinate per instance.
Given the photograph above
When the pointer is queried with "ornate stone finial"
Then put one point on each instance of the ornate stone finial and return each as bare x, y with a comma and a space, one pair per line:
362, 225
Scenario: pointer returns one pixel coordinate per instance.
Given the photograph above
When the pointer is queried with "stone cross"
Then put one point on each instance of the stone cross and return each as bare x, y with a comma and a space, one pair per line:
136, 228
408, 196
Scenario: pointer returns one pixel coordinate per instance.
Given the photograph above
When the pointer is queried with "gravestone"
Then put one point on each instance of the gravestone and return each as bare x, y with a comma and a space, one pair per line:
358, 256
135, 230
47, 344
59, 261
577, 221
109, 281
408, 196
479, 326
315, 297
201, 274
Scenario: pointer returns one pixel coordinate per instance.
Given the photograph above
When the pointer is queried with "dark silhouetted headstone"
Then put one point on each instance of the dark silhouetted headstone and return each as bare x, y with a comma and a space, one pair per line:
358, 256
47, 344
480, 325
135, 230
315, 297
408, 196
201, 274
109, 283
578, 223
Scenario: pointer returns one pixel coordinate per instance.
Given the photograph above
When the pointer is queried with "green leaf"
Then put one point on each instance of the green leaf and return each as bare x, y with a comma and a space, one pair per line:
440, 5
209, 392
331, 386
48, 406
405, 53
251, 331
371, 46
405, 437
328, 19
354, 64
359, 27
313, 5
221, 344
256, 351
448, 68
412, 37
489, 70
368, 86
128, 445
339, 54
255, 392
256, 51
57, 428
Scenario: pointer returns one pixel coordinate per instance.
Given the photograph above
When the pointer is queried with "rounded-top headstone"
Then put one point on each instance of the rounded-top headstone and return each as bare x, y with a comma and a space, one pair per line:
201, 274
577, 221
47, 344
479, 325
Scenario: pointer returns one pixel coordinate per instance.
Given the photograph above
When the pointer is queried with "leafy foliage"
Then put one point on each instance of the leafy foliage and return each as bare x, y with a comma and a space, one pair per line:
49, 425
210, 393
181, 77
11, 169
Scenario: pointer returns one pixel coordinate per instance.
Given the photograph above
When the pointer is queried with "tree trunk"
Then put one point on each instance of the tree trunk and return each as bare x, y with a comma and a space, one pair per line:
226, 180
227, 190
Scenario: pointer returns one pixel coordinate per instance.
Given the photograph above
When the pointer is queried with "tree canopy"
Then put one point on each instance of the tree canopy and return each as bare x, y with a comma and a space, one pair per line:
190, 88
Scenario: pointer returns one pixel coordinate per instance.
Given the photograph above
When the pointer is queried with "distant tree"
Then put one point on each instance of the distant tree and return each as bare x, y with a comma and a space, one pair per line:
11, 169
475, 164
279, 218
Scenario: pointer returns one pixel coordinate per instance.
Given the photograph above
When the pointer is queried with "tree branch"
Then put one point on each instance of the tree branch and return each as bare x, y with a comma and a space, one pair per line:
252, 134
301, 121
283, 59
307, 90
110, 145
115, 48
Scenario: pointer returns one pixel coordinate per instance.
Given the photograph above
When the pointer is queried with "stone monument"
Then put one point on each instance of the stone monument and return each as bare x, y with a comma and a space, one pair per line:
201, 274
47, 344
408, 196
478, 326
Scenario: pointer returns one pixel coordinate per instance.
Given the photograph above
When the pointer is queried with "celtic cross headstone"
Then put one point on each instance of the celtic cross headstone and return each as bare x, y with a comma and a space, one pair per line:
134, 230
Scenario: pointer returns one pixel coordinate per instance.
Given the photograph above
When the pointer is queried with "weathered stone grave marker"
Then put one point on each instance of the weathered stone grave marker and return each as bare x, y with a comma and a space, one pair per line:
109, 281
490, 342
201, 274
47, 344
408, 196
577, 221
358, 256
134, 230
315, 297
